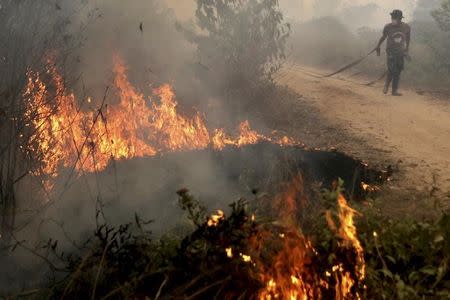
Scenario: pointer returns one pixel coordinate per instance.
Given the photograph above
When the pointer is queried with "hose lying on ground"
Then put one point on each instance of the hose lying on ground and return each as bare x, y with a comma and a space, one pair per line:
352, 64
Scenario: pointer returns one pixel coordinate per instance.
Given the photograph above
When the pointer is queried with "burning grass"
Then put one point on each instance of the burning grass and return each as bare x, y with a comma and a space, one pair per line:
63, 135
238, 254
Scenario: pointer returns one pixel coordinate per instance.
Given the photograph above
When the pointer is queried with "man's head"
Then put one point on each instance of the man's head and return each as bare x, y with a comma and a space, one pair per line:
397, 16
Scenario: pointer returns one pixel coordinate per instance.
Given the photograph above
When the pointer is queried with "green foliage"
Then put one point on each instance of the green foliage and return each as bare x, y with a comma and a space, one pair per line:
442, 15
407, 259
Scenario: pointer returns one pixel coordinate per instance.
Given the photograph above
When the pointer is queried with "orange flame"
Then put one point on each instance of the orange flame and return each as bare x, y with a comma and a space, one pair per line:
291, 274
214, 220
67, 137
348, 234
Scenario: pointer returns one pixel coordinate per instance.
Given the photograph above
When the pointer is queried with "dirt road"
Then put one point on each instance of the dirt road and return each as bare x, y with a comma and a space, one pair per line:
411, 132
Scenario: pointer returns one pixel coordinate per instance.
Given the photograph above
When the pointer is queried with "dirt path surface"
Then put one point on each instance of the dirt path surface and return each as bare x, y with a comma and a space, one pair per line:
411, 133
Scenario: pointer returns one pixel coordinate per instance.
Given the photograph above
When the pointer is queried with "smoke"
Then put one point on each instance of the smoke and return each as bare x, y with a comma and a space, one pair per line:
143, 33
371, 12
354, 14
184, 10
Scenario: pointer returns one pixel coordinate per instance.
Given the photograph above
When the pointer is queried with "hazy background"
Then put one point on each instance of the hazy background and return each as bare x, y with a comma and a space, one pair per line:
355, 13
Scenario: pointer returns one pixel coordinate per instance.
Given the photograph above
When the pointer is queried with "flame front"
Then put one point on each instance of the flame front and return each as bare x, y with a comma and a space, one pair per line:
65, 136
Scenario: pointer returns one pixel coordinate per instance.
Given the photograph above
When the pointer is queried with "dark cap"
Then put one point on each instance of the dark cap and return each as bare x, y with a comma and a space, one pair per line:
397, 14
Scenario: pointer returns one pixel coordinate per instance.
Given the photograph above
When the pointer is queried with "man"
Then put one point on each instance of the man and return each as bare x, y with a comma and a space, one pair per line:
398, 35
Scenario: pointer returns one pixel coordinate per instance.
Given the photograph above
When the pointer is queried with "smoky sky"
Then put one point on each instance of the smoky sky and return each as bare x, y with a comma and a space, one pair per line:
356, 13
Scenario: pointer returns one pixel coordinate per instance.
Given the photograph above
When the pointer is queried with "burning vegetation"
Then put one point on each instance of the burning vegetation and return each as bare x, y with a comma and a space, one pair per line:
242, 254
295, 236
63, 135
226, 256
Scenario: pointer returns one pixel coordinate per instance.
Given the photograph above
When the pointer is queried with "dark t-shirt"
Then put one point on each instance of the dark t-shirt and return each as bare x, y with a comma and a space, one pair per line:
397, 37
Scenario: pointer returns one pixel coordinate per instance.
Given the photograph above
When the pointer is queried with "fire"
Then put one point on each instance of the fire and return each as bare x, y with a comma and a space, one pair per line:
229, 252
287, 203
247, 136
347, 233
369, 188
214, 220
294, 272
64, 135
289, 275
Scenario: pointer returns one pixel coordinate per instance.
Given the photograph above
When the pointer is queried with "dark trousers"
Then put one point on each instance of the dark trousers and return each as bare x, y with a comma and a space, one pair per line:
395, 64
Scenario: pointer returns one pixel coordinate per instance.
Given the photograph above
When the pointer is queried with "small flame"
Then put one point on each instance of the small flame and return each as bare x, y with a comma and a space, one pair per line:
229, 252
369, 188
214, 220
245, 258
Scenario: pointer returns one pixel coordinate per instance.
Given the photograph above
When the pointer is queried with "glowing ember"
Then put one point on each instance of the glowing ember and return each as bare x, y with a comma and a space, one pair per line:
245, 258
215, 219
65, 136
229, 252
369, 188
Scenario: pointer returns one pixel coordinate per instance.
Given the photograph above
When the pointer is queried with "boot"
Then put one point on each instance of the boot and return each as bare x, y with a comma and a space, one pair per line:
395, 84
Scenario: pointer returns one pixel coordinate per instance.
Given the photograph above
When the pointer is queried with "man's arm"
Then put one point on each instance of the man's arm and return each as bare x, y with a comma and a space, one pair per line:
381, 41
408, 38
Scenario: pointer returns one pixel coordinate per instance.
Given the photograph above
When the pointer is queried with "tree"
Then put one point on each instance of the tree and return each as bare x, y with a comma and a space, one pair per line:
442, 15
241, 43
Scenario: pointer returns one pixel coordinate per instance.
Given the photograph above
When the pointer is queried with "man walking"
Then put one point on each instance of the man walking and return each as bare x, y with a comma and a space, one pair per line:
398, 35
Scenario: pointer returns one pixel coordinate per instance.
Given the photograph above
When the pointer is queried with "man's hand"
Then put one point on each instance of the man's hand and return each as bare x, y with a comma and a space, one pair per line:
378, 51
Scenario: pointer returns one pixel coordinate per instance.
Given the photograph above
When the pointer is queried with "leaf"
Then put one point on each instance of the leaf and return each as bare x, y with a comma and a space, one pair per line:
413, 276
439, 238
391, 259
387, 273
441, 271
429, 270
